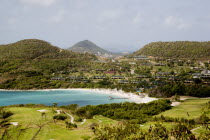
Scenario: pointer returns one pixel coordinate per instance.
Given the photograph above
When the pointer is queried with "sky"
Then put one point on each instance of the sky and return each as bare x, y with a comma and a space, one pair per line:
116, 25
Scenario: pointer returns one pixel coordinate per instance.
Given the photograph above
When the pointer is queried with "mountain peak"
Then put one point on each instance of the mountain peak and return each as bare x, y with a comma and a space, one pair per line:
88, 46
86, 41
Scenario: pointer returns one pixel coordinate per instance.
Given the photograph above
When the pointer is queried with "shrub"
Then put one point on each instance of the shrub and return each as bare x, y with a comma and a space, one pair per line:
60, 117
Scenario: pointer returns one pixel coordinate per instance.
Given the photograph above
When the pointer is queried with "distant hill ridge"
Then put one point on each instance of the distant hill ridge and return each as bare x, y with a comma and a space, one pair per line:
178, 49
90, 47
34, 49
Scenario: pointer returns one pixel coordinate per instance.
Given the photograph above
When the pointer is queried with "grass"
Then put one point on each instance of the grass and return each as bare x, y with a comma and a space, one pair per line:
194, 107
58, 131
105, 120
26, 115
147, 125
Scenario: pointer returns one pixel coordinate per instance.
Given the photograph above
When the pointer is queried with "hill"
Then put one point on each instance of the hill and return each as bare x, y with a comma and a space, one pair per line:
90, 47
34, 49
31, 63
178, 49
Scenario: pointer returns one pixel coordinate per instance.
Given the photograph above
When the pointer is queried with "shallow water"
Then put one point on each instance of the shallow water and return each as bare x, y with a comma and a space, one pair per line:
62, 97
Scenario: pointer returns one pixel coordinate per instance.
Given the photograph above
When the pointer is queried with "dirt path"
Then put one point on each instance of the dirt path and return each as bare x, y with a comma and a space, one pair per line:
72, 118
195, 129
82, 122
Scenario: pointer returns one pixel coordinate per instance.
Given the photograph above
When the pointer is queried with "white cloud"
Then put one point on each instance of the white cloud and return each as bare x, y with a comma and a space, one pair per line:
138, 18
38, 2
12, 20
110, 15
58, 17
176, 22
80, 4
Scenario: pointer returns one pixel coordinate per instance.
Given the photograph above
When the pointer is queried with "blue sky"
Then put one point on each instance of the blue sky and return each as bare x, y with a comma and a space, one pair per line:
117, 25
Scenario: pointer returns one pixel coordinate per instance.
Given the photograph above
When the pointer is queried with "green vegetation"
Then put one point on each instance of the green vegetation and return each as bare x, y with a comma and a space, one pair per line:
30, 119
36, 64
104, 120
4, 119
33, 124
34, 49
178, 49
60, 117
189, 109
31, 63
173, 125
128, 131
135, 113
171, 89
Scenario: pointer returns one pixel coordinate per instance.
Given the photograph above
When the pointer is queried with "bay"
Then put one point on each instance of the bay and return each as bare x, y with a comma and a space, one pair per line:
62, 97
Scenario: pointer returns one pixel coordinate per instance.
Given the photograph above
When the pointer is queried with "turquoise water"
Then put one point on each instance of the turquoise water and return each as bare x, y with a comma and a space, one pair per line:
62, 97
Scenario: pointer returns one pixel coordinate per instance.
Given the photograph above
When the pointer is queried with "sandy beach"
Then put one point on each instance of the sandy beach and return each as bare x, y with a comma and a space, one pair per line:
141, 98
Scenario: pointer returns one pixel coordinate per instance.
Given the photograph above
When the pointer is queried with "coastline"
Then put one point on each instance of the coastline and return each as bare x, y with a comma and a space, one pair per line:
141, 98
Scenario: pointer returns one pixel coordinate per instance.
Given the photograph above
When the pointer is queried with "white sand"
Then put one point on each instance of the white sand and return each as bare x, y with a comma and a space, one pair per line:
58, 111
43, 110
184, 98
14, 123
141, 98
175, 103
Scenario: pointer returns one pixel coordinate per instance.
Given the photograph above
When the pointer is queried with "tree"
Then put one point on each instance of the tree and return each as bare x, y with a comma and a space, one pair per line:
204, 120
40, 127
55, 104
181, 131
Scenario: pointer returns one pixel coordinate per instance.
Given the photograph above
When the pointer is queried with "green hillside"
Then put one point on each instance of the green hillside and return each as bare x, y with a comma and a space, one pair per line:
178, 49
34, 49
31, 63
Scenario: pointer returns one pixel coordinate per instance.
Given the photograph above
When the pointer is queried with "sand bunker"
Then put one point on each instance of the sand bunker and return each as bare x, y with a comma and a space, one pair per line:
14, 123
175, 103
42, 110
58, 111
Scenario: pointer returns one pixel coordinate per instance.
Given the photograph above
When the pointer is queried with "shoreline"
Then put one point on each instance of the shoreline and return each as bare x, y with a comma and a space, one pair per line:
141, 98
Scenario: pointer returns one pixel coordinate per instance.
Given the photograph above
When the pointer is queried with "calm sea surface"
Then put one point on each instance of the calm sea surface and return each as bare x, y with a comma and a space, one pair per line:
62, 97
